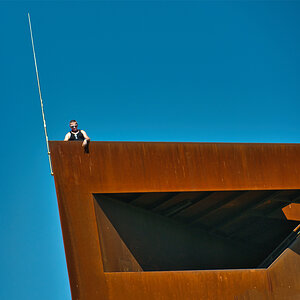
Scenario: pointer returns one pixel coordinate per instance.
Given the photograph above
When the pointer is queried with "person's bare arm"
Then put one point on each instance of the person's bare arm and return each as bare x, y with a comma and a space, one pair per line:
67, 137
85, 135
86, 138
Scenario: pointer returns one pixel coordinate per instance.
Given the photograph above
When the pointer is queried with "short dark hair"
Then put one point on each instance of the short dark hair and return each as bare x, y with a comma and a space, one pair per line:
72, 121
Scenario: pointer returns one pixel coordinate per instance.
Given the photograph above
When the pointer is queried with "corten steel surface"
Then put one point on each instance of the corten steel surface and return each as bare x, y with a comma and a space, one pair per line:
124, 167
292, 211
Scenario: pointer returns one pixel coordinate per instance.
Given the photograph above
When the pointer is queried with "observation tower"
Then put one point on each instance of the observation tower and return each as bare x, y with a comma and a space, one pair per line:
180, 221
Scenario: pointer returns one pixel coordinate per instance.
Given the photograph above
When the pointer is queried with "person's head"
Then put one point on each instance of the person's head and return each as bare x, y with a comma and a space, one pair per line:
73, 125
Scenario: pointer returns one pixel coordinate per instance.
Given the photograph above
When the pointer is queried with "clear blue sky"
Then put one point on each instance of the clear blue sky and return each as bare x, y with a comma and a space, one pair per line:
137, 71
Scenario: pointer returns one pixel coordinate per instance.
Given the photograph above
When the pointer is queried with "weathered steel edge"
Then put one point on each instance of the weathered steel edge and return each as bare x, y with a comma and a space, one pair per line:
182, 142
128, 166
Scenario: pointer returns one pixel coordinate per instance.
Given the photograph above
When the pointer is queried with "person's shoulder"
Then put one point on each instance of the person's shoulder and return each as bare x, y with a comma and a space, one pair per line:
67, 136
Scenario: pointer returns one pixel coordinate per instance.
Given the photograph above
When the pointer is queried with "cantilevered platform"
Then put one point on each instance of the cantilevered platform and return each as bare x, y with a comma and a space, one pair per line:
180, 220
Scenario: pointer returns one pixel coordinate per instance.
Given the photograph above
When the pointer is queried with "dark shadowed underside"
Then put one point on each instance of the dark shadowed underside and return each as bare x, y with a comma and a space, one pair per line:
198, 230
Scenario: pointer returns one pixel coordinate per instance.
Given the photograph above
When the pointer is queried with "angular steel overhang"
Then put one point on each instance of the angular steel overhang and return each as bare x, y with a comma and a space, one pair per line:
180, 221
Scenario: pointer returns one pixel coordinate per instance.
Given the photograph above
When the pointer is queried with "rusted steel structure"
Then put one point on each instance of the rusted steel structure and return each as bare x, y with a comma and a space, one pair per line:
180, 221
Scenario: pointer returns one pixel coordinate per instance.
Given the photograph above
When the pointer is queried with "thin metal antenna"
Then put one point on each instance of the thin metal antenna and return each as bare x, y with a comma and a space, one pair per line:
40, 93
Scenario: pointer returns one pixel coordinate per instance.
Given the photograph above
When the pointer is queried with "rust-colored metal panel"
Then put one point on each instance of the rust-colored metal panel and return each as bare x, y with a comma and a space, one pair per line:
189, 285
284, 273
127, 166
292, 211
124, 167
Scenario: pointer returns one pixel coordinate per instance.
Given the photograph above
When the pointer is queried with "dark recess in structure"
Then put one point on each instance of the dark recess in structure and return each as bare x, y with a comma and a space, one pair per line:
192, 230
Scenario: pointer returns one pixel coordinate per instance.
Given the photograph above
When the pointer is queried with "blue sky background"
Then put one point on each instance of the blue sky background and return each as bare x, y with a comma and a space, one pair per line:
136, 71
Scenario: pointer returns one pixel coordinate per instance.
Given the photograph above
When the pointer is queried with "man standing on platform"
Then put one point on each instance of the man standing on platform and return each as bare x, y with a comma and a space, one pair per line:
77, 135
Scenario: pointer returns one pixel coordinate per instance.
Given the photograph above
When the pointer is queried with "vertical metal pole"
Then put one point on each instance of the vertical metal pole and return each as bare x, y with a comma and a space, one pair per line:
40, 93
